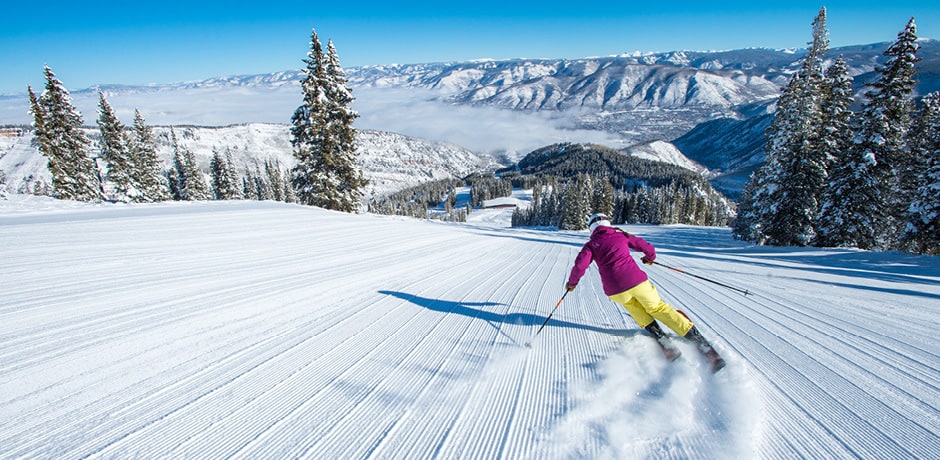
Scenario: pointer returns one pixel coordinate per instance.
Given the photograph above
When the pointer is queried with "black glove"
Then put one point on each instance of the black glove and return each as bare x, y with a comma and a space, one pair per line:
648, 260
569, 287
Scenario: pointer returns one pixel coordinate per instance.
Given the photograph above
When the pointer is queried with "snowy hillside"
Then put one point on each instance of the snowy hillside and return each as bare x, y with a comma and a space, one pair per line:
394, 162
664, 152
264, 330
390, 161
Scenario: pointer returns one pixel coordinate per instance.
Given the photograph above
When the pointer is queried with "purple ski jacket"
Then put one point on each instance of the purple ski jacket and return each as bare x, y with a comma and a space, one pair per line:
610, 248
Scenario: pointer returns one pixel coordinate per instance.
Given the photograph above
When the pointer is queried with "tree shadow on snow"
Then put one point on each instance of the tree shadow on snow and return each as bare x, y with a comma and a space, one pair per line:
470, 309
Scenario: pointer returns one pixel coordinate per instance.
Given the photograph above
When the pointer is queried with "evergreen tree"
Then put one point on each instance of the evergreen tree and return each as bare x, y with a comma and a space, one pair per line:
326, 173
852, 204
272, 169
148, 175
340, 120
796, 147
263, 189
226, 184
233, 179
116, 153
882, 139
172, 178
63, 143
54, 163
290, 195
754, 206
576, 206
217, 173
836, 106
248, 185
837, 129
309, 135
602, 200
191, 184
922, 234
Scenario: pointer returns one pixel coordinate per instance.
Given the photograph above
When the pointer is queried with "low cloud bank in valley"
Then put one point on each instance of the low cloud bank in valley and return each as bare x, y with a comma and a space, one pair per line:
409, 111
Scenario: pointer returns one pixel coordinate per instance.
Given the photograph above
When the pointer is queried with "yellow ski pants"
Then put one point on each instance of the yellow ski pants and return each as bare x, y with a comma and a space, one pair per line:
644, 305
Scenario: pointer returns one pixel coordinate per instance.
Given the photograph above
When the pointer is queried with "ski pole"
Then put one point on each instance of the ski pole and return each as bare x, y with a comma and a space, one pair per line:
529, 343
744, 291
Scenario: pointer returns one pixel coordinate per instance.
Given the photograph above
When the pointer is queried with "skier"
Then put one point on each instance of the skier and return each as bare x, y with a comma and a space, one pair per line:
626, 284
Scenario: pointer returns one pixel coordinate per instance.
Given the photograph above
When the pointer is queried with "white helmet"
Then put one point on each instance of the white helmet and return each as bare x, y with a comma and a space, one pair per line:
598, 220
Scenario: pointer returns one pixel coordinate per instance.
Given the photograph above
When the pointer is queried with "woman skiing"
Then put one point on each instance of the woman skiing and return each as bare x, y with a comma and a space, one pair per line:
626, 284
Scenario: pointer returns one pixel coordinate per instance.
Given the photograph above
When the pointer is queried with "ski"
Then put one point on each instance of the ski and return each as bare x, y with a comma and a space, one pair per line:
714, 361
669, 350
712, 358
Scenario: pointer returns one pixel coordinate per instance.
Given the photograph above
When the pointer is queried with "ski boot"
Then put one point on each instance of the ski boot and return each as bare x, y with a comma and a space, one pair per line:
715, 362
672, 353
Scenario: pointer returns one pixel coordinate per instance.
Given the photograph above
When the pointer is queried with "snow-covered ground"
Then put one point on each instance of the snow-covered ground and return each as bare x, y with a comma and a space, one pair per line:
266, 330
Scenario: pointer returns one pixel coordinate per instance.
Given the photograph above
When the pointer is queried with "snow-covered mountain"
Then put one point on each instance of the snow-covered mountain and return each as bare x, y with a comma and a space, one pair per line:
390, 161
694, 86
756, 72
637, 100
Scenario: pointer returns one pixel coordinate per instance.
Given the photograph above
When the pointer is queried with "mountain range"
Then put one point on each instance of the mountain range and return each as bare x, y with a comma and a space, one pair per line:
713, 107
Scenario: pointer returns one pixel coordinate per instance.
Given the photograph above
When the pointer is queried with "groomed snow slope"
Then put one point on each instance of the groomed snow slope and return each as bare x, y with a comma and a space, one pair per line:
264, 330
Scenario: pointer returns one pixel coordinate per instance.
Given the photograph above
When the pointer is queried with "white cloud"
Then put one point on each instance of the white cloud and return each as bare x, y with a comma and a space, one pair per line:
409, 111
418, 113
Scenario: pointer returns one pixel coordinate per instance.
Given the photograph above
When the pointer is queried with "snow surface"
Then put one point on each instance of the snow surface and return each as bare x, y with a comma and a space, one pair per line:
267, 330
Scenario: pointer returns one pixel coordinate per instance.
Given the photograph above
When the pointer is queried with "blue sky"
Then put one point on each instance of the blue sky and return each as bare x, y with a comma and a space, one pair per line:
106, 42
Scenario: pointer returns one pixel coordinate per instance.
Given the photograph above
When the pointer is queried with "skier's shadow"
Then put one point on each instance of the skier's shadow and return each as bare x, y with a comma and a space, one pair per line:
478, 310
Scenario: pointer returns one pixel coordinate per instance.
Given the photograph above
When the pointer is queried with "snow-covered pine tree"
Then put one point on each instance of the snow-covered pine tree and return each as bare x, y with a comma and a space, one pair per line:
852, 204
836, 127
290, 195
233, 177
263, 188
191, 184
340, 118
249, 191
326, 173
178, 170
576, 203
148, 174
754, 207
226, 185
309, 134
882, 138
922, 234
54, 163
178, 176
116, 153
217, 173
602, 200
272, 168
797, 146
62, 141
